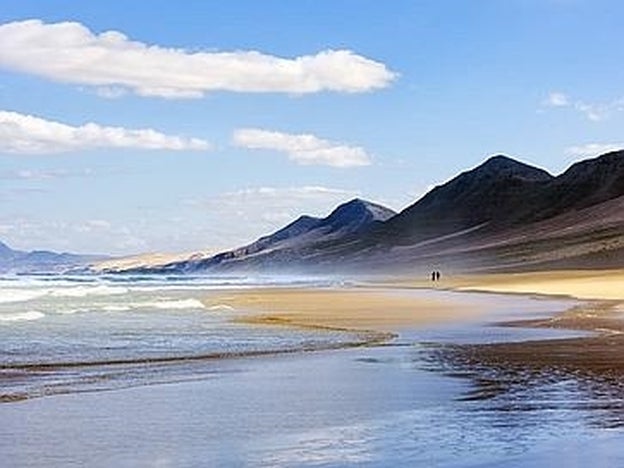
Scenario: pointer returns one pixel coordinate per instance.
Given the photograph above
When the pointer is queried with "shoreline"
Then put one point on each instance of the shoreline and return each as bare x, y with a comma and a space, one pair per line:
385, 306
512, 369
592, 360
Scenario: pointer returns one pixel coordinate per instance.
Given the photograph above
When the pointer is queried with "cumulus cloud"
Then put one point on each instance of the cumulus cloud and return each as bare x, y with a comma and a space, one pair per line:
69, 52
304, 149
556, 99
593, 149
592, 111
26, 134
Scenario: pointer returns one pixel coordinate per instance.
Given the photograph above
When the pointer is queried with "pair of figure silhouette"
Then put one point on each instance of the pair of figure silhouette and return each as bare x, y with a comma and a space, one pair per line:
435, 276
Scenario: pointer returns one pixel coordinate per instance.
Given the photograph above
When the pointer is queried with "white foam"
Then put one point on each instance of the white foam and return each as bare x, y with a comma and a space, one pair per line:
165, 304
116, 308
170, 304
22, 316
221, 307
84, 291
20, 295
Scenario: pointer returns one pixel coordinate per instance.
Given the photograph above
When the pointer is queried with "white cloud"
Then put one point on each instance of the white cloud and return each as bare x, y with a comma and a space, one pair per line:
26, 134
592, 111
304, 149
69, 52
47, 174
593, 149
556, 99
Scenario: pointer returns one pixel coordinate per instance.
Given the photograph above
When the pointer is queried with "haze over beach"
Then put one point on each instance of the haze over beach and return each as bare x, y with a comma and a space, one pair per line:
339, 233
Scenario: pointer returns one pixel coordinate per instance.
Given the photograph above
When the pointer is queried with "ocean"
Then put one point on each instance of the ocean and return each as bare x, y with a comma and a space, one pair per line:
139, 371
66, 334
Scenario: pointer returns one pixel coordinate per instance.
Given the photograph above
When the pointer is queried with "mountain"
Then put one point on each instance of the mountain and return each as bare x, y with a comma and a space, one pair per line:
503, 193
292, 244
494, 192
40, 261
506, 214
501, 215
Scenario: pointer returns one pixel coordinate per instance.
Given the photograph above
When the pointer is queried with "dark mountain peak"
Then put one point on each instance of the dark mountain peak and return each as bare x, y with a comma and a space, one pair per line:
298, 227
496, 192
347, 217
499, 159
591, 181
357, 213
504, 166
301, 224
602, 164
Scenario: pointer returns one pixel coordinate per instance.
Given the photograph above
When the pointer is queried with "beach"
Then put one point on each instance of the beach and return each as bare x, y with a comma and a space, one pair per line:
365, 374
357, 308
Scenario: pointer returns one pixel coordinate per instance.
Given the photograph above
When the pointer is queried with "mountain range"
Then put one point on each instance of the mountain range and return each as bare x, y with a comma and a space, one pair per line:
41, 261
501, 215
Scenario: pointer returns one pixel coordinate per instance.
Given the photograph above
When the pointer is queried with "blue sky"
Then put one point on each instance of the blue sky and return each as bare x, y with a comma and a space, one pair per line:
210, 151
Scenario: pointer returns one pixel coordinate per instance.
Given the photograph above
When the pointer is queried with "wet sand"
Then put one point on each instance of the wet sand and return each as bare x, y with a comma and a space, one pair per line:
365, 309
594, 363
387, 311
602, 314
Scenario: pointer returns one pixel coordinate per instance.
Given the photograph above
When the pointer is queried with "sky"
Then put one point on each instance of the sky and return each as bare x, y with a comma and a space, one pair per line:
202, 125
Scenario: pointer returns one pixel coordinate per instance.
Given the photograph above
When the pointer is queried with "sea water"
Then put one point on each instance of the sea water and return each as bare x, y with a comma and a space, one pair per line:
63, 334
140, 372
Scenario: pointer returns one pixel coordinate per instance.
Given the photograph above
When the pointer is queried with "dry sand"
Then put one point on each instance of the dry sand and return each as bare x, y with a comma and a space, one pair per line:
387, 306
580, 284
354, 309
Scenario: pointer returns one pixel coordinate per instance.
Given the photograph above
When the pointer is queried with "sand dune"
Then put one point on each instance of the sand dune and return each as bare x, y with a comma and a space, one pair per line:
147, 260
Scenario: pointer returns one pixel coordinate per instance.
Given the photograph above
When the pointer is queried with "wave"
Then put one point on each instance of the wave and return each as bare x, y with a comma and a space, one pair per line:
221, 307
12, 295
84, 291
22, 316
169, 304
19, 295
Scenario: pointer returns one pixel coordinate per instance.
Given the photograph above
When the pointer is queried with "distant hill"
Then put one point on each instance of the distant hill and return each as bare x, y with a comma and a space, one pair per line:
40, 261
502, 215
290, 244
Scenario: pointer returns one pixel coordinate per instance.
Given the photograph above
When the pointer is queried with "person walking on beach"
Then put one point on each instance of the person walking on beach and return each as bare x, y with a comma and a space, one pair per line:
437, 274
433, 276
